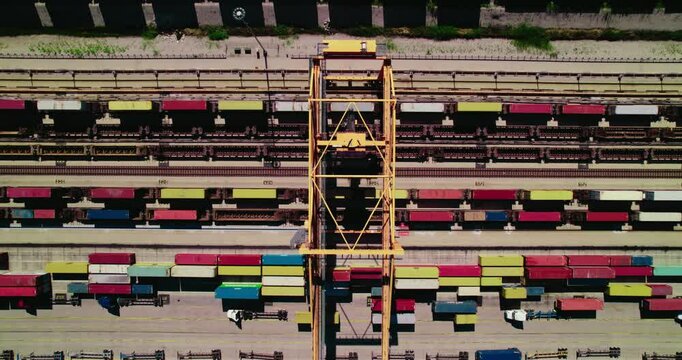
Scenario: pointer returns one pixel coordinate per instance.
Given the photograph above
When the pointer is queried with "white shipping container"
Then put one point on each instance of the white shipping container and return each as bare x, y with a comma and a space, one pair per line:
283, 281
423, 107
416, 284
400, 318
660, 216
663, 195
618, 195
108, 269
362, 106
108, 279
58, 105
469, 291
289, 106
193, 271
636, 110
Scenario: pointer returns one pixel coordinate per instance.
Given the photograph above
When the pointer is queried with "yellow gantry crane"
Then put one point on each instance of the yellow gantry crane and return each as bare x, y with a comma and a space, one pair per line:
343, 153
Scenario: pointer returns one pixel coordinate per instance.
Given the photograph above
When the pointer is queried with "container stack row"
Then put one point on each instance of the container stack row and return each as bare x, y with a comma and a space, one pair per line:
25, 285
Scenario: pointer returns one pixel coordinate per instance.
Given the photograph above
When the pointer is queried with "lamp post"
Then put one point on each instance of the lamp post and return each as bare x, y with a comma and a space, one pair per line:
239, 14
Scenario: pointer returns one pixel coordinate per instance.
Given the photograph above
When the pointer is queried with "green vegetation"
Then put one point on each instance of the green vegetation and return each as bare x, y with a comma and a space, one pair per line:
659, 5
525, 37
552, 7
283, 31
365, 31
217, 33
391, 45
75, 48
150, 33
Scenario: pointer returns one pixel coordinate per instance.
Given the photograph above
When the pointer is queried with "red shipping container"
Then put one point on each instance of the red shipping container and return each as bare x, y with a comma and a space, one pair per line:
583, 109
196, 259
341, 275
606, 216
530, 108
112, 258
431, 216
171, 105
493, 194
547, 273
112, 193
43, 214
620, 260
633, 270
545, 260
579, 304
663, 304
23, 280
440, 194
239, 259
9, 104
23, 192
175, 214
592, 272
459, 270
400, 305
111, 289
660, 289
588, 260
365, 273
539, 216
19, 291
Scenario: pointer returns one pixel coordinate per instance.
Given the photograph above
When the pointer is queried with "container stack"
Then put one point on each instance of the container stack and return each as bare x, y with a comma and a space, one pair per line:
628, 290
241, 276
340, 288
590, 270
366, 276
640, 266
496, 267
402, 312
465, 278
108, 273
195, 266
416, 278
283, 275
463, 313
546, 268
63, 273
25, 285
578, 305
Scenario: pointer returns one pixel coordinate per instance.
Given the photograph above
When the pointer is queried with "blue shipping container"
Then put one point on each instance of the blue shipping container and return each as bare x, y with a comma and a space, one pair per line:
535, 290
240, 293
376, 292
139, 289
506, 354
101, 214
282, 259
77, 288
495, 216
22, 214
452, 307
642, 260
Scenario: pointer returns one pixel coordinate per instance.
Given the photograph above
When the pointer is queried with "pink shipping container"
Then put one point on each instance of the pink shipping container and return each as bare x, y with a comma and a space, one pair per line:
583, 109
539, 216
459, 270
663, 304
548, 273
112, 193
530, 108
579, 304
43, 214
110, 289
588, 260
19, 291
23, 280
341, 275
545, 260
493, 194
607, 216
660, 289
175, 214
9, 104
365, 273
24, 192
620, 260
431, 216
112, 258
592, 272
400, 305
196, 259
633, 271
239, 259
440, 194
172, 105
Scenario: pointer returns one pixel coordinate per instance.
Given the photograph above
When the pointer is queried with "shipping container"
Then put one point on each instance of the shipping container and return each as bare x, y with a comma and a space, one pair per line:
16, 279
459, 270
108, 279
238, 291
454, 307
150, 270
535, 290
579, 304
106, 214
397, 319
589, 260
306, 317
548, 273
196, 259
108, 269
12, 104
287, 270
565, 195
239, 270
459, 281
112, 193
466, 319
23, 291
674, 304
254, 193
506, 354
668, 271
21, 214
416, 284
633, 271
592, 272
283, 281
286, 291
77, 288
43, 213
194, 271
607, 216
54, 105
469, 291
500, 260
375, 291
479, 107
580, 109
502, 271
111, 258
539, 216
440, 194
400, 305
292, 106
531, 109
61, 267
365, 273
422, 107
122, 105
474, 216
431, 216
341, 275
660, 289
110, 289
236, 105
514, 293
493, 194
181, 105
496, 216
169, 193
659, 216
663, 195
491, 281
416, 272
239, 259
620, 260
636, 110
545, 260
398, 194
354, 107
628, 290
28, 192
175, 214
142, 289
642, 260
282, 259
616, 195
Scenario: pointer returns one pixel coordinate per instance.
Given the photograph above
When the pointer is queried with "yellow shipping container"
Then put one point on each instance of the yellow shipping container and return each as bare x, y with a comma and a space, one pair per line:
416, 272
502, 271
60, 267
239, 270
170, 193
130, 105
479, 106
459, 281
634, 290
240, 105
306, 317
551, 195
491, 281
254, 193
349, 46
500, 260
466, 319
282, 291
283, 270
514, 293
401, 194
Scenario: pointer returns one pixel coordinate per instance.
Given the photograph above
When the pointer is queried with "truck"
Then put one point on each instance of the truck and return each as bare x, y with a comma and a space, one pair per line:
237, 315
499, 354
527, 315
